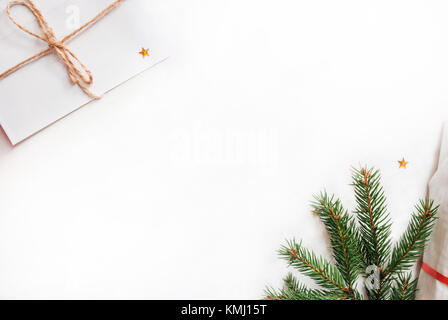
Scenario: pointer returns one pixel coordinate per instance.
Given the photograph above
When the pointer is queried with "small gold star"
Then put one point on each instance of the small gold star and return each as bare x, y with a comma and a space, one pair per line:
403, 163
144, 52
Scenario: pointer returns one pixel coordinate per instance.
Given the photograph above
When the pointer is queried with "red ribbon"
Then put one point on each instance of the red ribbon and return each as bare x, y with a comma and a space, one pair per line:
435, 274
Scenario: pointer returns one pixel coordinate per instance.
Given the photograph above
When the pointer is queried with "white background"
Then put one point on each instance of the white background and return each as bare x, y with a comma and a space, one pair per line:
183, 182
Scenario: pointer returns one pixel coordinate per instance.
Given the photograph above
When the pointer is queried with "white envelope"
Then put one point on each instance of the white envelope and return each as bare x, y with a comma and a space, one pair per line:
41, 92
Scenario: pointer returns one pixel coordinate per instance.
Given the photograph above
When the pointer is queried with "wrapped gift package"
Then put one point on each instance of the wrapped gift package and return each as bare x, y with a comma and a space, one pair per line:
40, 92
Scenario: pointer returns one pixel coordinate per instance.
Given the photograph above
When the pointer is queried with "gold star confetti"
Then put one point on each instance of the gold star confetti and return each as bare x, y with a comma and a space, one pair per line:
403, 163
144, 52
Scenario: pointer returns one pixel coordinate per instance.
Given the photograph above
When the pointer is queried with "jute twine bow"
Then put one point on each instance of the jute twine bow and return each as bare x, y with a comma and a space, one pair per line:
83, 78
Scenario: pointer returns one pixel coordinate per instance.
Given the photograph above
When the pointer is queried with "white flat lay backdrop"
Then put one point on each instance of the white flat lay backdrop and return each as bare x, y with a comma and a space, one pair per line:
183, 182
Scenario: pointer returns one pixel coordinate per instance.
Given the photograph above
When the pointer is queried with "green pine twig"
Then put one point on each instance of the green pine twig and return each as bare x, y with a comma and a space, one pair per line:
317, 268
359, 244
412, 244
405, 288
342, 230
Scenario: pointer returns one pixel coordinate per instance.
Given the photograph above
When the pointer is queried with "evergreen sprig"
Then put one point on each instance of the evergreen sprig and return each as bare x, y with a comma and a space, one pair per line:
294, 290
317, 268
412, 243
405, 288
373, 218
360, 244
341, 228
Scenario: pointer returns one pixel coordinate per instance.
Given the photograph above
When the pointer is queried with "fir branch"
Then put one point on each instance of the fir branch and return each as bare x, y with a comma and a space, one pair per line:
405, 288
357, 248
412, 243
375, 225
342, 231
360, 249
294, 290
372, 215
316, 268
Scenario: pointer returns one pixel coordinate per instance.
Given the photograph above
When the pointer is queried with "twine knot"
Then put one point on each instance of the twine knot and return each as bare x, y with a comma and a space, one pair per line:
54, 43
79, 76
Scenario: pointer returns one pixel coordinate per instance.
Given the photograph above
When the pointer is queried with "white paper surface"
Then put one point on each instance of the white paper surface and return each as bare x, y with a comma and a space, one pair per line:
41, 93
